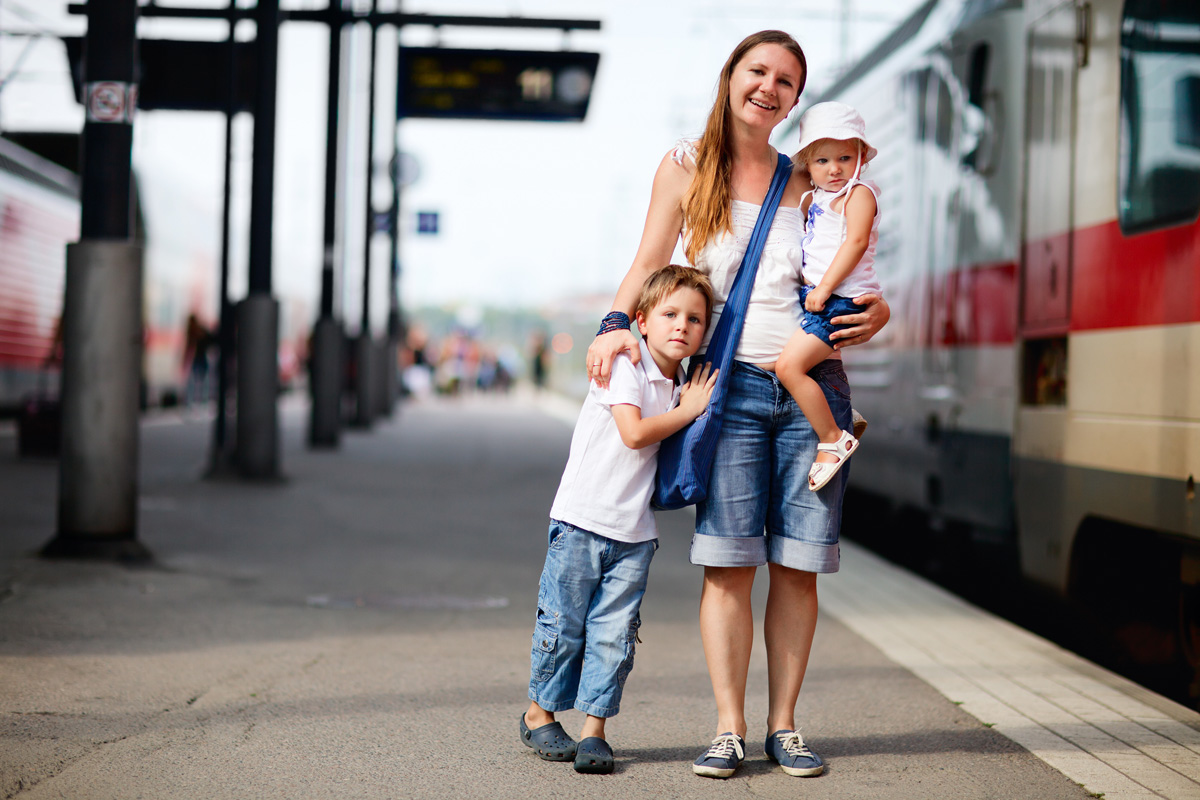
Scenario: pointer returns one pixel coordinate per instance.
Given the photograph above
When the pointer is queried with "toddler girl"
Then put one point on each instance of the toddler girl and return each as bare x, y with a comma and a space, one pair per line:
841, 226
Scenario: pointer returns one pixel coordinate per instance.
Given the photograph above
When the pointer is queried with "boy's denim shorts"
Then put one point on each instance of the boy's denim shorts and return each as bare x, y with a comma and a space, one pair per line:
818, 322
587, 620
759, 508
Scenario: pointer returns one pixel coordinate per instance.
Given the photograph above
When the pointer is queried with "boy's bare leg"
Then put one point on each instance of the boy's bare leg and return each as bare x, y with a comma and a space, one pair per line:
592, 726
803, 352
537, 716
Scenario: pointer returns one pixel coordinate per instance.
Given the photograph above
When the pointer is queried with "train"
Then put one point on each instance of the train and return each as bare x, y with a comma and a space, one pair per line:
39, 217
1036, 393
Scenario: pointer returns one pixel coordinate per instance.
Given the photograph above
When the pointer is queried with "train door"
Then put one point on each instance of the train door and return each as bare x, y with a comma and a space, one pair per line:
1049, 175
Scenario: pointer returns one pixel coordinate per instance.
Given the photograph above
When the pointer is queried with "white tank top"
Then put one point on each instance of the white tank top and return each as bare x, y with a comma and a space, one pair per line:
772, 315
824, 232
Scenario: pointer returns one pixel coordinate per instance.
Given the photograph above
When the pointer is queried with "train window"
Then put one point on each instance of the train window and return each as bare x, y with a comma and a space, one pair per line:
977, 74
943, 132
920, 86
978, 118
1044, 372
1159, 152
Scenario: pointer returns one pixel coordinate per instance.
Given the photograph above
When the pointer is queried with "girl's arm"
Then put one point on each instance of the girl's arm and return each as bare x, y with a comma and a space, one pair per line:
859, 209
638, 432
664, 221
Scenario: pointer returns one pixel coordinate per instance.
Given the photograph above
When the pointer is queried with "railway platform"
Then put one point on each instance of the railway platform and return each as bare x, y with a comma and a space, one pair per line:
360, 629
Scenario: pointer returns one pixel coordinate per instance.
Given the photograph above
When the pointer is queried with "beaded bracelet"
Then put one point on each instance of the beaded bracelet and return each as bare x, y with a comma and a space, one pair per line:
614, 321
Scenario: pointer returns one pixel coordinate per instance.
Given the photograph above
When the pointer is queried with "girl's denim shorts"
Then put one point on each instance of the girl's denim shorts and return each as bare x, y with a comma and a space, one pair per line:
820, 323
759, 508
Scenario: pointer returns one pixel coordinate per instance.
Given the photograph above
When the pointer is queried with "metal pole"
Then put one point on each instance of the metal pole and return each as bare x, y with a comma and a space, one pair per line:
366, 360
222, 452
102, 310
258, 315
325, 379
391, 368
394, 334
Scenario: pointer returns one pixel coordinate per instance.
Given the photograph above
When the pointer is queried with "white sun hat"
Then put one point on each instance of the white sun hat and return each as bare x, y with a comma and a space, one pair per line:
834, 120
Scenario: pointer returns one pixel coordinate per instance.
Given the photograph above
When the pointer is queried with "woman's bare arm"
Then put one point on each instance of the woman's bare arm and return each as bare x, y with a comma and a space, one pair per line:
664, 221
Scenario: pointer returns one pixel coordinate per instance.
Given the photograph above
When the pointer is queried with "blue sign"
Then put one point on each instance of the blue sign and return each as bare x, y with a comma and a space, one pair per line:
427, 222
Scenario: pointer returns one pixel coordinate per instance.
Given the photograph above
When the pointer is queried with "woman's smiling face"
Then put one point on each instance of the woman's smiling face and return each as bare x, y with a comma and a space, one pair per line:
763, 86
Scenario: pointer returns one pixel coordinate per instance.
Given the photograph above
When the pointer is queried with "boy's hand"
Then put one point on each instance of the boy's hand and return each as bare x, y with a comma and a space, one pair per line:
697, 391
816, 299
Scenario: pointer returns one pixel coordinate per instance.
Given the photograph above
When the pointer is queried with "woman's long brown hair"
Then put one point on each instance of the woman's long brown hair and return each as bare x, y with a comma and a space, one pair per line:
707, 202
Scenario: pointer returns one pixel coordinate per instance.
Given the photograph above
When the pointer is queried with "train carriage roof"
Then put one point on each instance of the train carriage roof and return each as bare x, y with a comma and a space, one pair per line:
27, 165
967, 11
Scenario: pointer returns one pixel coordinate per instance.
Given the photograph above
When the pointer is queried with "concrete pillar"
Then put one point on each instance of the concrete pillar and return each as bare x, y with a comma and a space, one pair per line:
102, 358
325, 383
365, 377
258, 387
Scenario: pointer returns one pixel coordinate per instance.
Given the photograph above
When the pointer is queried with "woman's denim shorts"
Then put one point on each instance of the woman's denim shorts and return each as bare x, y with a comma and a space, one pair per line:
759, 507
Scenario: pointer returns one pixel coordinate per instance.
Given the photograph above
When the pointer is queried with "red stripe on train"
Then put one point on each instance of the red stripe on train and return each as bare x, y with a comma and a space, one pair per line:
976, 306
1147, 279
1116, 281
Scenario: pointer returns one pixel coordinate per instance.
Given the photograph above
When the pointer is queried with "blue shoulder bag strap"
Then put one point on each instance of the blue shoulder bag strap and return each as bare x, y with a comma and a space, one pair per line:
729, 327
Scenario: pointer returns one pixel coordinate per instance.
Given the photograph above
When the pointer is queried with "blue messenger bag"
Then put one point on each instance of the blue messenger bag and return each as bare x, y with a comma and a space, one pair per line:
685, 458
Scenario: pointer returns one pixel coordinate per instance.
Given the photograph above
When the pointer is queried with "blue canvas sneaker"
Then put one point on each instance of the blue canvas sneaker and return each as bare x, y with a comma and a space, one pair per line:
722, 759
787, 748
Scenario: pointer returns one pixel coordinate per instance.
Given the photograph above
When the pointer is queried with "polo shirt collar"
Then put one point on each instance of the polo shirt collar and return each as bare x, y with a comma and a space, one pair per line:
653, 373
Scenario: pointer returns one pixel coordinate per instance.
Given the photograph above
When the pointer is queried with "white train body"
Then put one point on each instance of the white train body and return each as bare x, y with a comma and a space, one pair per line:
1040, 380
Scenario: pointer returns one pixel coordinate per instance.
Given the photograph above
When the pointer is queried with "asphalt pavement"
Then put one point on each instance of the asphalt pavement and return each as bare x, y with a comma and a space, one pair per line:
361, 628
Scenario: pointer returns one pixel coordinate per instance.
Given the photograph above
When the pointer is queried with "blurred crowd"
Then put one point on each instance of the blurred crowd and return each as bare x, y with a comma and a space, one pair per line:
461, 362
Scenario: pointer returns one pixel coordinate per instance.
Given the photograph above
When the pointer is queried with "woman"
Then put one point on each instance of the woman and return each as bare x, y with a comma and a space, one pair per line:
759, 509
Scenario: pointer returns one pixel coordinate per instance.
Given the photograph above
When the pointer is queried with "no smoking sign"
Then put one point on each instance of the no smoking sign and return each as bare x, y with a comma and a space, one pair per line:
111, 101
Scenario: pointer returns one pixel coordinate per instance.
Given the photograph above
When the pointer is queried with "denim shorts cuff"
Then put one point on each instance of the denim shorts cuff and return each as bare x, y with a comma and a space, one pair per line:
550, 705
604, 712
804, 556
727, 551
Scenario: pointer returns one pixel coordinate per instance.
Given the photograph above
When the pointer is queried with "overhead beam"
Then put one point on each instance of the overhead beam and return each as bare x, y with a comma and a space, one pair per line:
344, 17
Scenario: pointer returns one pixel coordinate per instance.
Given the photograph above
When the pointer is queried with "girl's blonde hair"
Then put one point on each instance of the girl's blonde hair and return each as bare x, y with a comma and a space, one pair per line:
801, 159
707, 202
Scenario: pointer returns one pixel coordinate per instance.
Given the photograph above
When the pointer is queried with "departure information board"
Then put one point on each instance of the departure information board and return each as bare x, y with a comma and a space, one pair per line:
538, 85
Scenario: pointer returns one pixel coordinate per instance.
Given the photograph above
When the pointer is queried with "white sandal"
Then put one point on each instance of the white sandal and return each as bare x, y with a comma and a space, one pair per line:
820, 473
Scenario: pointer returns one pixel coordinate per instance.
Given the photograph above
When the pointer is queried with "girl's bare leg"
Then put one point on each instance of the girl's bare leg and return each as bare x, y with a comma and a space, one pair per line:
803, 352
727, 631
791, 621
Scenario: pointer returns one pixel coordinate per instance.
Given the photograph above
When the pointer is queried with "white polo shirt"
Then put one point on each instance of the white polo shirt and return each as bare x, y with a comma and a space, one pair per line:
606, 486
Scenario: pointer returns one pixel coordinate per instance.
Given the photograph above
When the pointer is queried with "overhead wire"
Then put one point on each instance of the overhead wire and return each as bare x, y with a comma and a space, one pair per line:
40, 31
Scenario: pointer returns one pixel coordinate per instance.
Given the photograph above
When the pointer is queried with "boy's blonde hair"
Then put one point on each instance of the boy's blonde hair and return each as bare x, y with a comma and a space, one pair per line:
667, 281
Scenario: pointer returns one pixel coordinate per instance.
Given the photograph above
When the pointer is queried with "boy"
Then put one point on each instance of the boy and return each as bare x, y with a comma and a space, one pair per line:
602, 532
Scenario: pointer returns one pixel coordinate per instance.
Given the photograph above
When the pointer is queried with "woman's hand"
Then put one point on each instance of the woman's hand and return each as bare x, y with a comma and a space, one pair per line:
604, 350
867, 323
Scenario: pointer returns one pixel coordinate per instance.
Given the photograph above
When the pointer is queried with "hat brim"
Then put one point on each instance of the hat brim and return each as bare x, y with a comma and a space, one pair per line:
841, 135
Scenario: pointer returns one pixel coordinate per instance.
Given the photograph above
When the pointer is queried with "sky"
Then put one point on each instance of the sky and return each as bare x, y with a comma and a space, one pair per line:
531, 214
